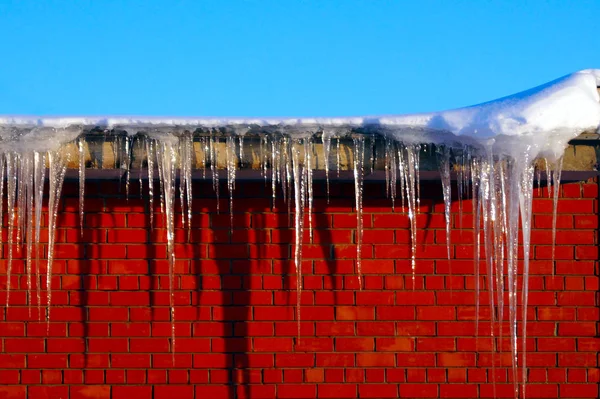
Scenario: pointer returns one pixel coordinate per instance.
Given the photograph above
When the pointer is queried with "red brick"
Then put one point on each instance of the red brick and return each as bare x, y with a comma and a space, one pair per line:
336, 391
578, 390
131, 391
378, 391
418, 391
48, 392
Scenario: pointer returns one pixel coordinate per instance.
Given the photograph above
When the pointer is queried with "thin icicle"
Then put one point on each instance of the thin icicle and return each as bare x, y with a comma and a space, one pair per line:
58, 167
308, 167
299, 200
548, 176
556, 174
186, 146
167, 158
27, 184
39, 174
231, 171
359, 154
444, 165
539, 181
20, 201
126, 164
337, 154
326, 151
11, 192
460, 184
512, 260
214, 154
410, 170
81, 147
273, 172
150, 159
141, 149
525, 201
475, 196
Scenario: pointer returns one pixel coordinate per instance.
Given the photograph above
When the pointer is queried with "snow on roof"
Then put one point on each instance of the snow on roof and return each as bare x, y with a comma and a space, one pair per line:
557, 111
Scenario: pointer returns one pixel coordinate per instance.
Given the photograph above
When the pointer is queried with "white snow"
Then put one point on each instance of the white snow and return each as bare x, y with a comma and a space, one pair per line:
546, 117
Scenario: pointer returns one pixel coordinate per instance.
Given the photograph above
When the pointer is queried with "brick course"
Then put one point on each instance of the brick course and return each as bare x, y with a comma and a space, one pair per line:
236, 329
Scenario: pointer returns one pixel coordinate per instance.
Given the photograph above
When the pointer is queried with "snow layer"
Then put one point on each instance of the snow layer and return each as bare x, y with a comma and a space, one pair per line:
546, 117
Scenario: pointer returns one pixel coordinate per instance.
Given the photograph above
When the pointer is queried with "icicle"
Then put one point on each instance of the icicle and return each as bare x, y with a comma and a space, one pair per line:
326, 150
39, 174
205, 153
20, 201
186, 146
81, 147
401, 172
241, 145
141, 149
289, 157
548, 176
308, 167
486, 200
390, 171
525, 201
11, 191
500, 234
28, 212
150, 158
299, 199
58, 168
444, 166
556, 187
231, 170
166, 158
475, 187
539, 181
411, 174
417, 163
337, 154
126, 164
273, 171
189, 159
213, 167
460, 186
264, 145
359, 154
512, 260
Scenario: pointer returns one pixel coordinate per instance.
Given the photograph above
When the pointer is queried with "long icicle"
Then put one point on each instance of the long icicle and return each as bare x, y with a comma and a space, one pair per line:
299, 199
11, 190
359, 154
525, 200
81, 147
58, 167
444, 166
39, 174
326, 139
150, 145
411, 186
166, 157
556, 174
28, 214
475, 196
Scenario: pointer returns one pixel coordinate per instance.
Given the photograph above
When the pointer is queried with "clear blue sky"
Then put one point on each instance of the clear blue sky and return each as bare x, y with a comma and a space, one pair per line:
284, 57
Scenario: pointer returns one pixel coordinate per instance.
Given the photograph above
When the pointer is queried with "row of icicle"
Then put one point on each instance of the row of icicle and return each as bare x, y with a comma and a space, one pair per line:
500, 188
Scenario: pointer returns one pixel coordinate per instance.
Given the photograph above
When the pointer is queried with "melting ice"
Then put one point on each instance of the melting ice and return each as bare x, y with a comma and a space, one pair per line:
490, 148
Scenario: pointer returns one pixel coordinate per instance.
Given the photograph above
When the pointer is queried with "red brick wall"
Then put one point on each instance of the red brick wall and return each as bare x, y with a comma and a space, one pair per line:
236, 330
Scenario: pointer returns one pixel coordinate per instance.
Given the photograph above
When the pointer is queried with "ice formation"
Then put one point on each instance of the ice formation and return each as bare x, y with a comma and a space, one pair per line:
492, 146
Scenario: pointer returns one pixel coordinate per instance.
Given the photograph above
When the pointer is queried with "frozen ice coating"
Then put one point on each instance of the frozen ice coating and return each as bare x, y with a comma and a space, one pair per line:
492, 147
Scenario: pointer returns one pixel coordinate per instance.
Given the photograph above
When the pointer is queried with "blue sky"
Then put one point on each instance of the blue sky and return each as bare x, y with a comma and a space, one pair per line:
285, 57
